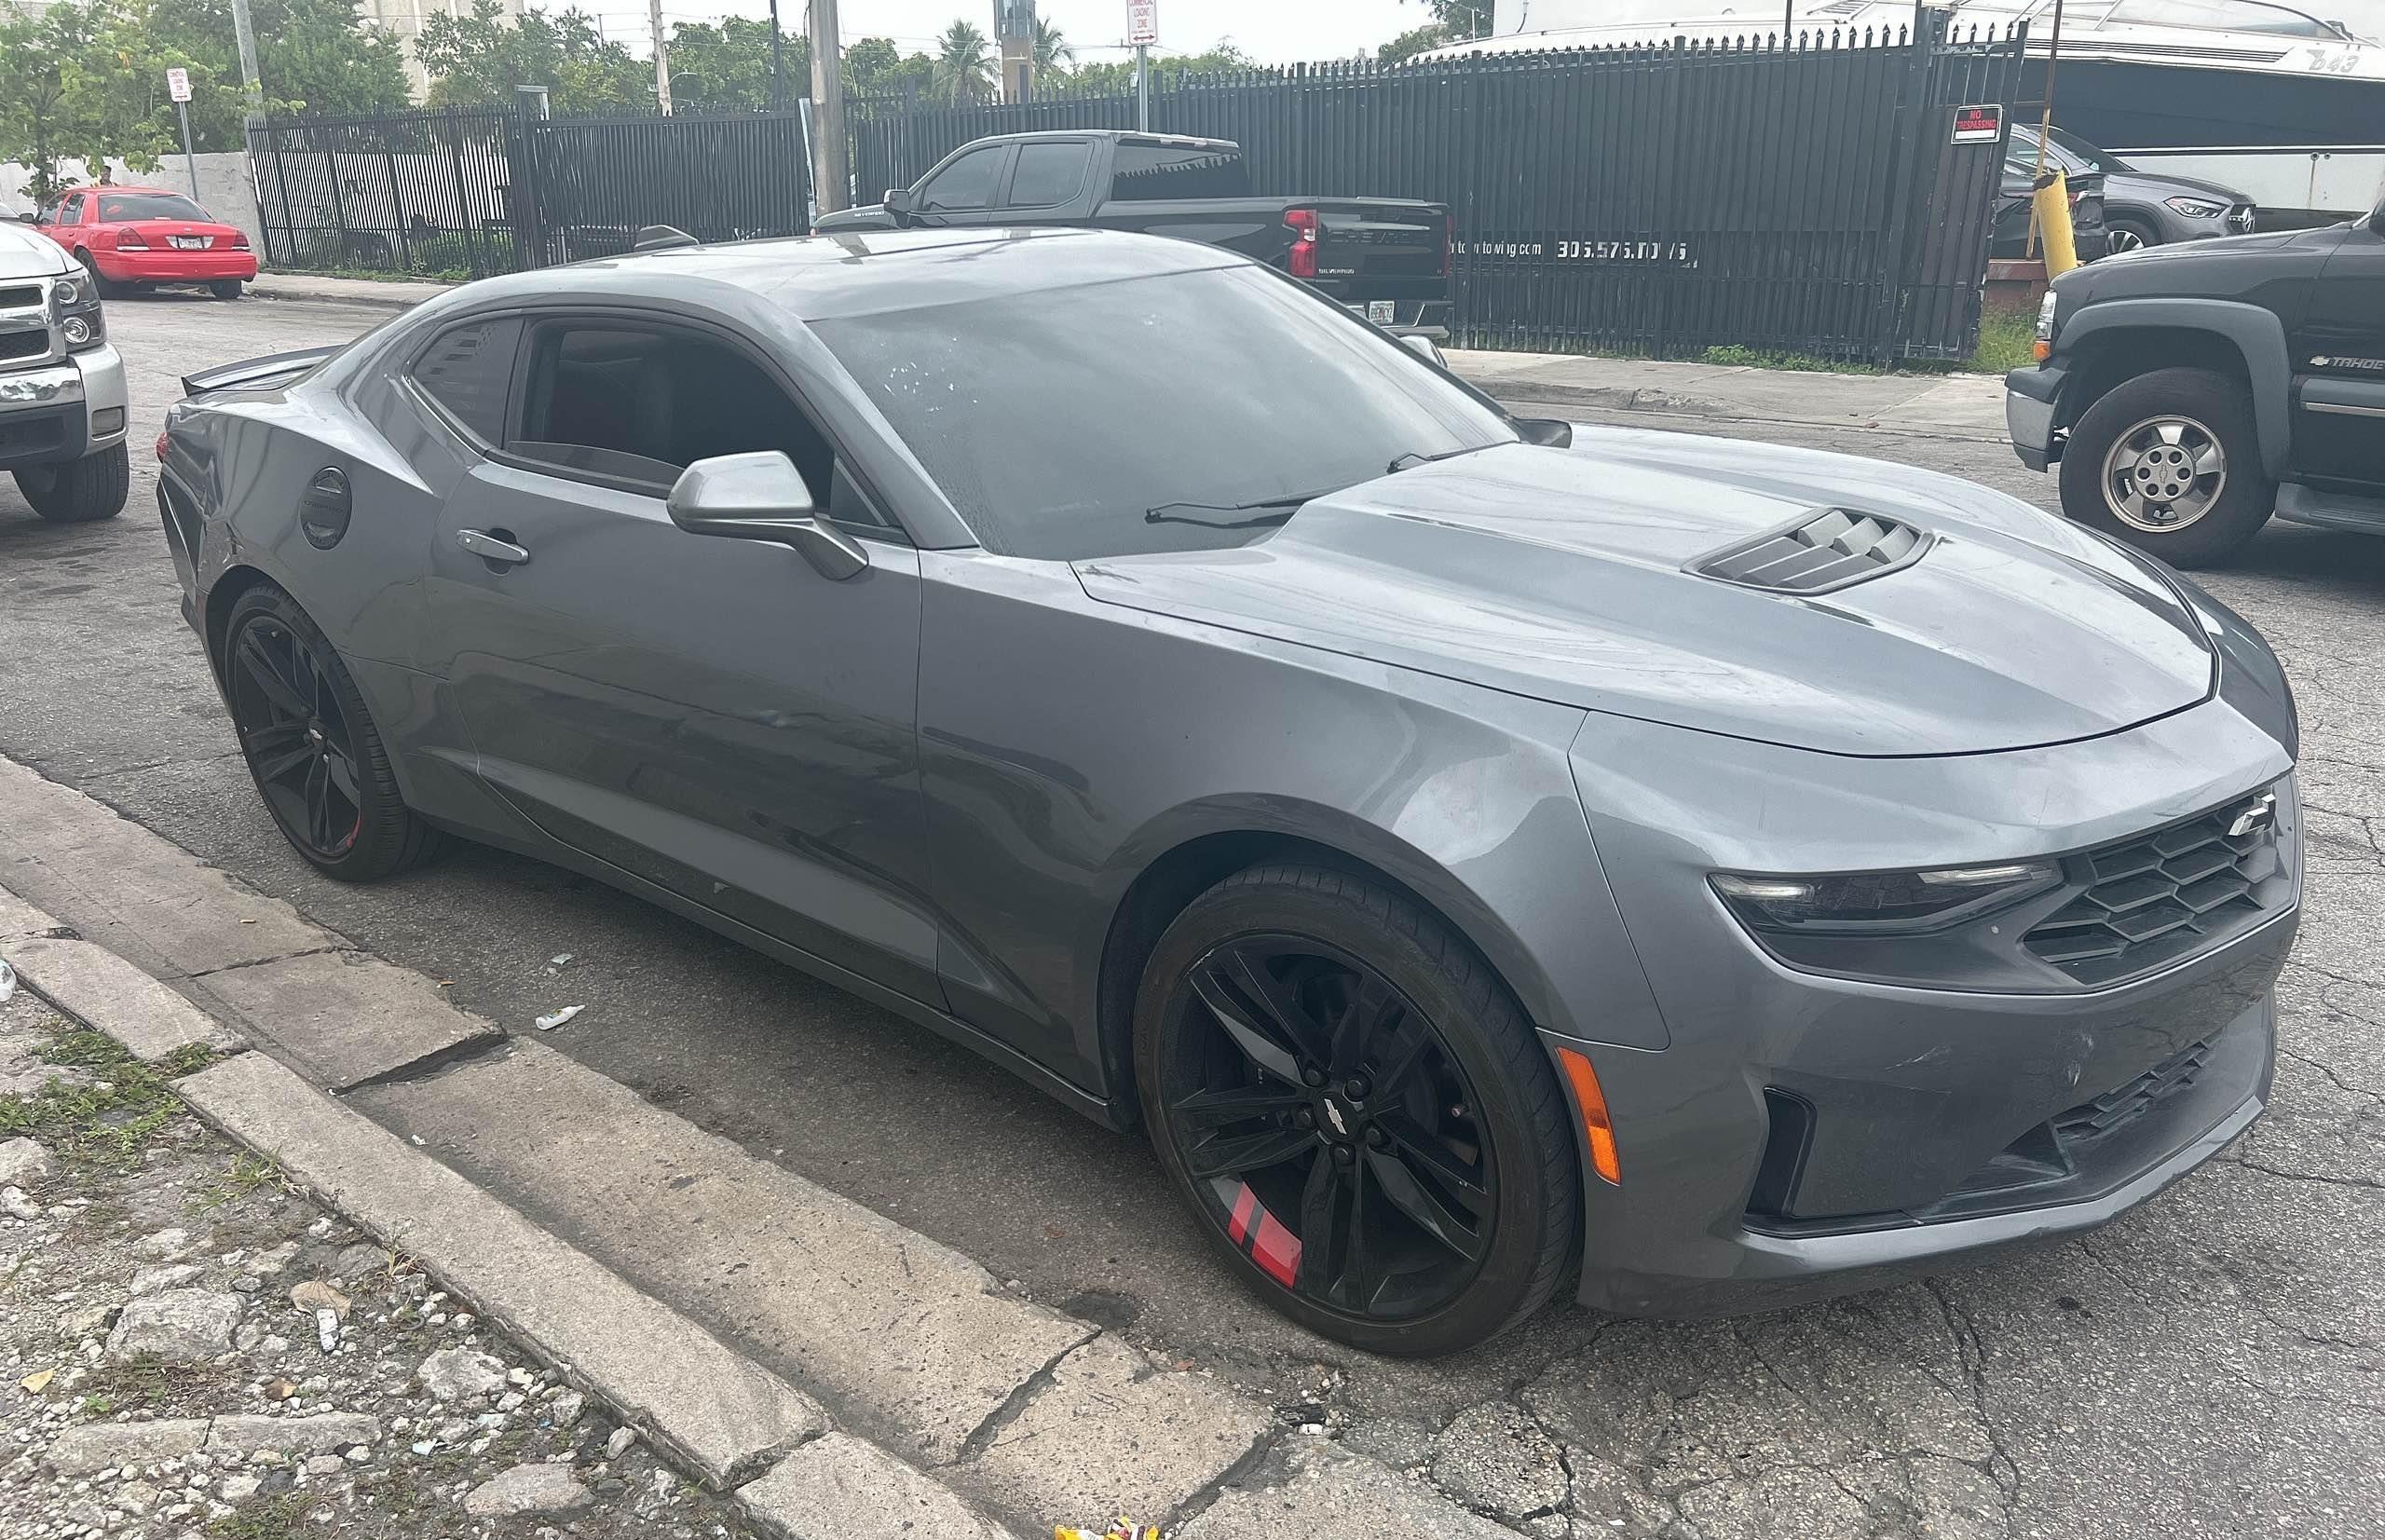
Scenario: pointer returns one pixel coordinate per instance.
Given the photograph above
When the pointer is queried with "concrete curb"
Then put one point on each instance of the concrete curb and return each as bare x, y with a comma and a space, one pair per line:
990, 1403
387, 294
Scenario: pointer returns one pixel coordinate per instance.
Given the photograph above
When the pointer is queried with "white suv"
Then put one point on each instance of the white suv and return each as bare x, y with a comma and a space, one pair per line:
62, 386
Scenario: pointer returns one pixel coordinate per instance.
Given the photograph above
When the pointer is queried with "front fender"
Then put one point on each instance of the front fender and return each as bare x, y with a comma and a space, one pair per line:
2257, 336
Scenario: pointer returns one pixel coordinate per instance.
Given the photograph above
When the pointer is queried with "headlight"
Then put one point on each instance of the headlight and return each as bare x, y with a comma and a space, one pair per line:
1877, 903
66, 292
77, 330
2194, 208
77, 302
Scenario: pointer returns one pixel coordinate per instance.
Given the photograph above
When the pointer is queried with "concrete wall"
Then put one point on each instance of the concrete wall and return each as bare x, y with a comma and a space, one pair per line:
224, 189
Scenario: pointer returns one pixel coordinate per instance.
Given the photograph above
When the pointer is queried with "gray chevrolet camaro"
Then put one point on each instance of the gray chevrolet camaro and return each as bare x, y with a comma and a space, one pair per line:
1698, 874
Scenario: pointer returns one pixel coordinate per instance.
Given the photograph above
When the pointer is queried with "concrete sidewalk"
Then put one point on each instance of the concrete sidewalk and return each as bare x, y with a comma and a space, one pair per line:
1954, 406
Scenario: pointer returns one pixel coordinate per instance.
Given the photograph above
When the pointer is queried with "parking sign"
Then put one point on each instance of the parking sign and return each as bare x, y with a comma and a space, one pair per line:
1142, 21
178, 84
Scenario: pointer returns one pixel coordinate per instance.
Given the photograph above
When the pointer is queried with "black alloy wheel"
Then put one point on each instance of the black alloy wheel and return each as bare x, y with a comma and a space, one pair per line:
1315, 1103
310, 745
296, 739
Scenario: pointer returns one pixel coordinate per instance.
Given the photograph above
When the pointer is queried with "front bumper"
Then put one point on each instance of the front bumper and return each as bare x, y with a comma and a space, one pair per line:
64, 411
1802, 1134
2032, 407
163, 264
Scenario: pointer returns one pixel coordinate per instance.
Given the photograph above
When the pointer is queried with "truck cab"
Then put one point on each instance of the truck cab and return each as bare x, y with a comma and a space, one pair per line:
2185, 393
1387, 259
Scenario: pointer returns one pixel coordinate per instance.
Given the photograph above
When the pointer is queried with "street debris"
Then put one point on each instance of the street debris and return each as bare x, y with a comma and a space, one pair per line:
549, 1023
561, 958
314, 1294
1120, 1529
7, 981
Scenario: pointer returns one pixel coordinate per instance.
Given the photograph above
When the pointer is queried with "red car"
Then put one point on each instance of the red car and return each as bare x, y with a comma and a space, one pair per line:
138, 235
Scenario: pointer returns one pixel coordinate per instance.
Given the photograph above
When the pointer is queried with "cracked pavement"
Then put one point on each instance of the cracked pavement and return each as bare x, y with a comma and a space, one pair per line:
2212, 1364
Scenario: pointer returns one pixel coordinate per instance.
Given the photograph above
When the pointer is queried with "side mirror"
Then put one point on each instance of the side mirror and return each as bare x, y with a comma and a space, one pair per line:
1423, 347
762, 496
900, 205
1549, 432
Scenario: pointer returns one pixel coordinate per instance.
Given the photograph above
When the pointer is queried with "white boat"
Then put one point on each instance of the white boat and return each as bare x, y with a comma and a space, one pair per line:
2287, 105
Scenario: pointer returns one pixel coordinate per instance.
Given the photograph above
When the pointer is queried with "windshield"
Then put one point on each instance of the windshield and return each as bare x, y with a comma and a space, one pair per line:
1154, 414
2226, 16
117, 207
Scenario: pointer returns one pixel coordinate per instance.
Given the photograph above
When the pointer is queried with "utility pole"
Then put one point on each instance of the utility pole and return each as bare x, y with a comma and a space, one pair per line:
778, 61
661, 57
829, 192
245, 38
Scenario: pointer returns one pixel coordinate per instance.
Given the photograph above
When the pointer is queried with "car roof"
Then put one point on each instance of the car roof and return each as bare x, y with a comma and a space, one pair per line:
868, 272
1122, 136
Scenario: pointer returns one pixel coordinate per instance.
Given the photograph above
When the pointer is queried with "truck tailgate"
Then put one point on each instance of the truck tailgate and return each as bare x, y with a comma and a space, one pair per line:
1359, 238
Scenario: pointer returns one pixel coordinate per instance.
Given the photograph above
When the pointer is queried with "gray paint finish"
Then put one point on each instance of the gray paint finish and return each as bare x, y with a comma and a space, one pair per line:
1487, 679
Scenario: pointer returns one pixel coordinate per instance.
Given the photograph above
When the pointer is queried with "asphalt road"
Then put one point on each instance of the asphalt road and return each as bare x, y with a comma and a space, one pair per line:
2212, 1365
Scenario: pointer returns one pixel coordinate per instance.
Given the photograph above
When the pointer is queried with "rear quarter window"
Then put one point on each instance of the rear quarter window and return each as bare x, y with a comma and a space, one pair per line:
468, 370
1157, 174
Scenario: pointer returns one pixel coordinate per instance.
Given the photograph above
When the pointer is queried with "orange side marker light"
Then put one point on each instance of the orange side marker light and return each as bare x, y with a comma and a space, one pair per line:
1596, 1124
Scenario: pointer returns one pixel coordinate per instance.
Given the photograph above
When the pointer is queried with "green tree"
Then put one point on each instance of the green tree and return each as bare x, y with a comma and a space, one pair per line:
477, 60
727, 65
1416, 40
1053, 53
874, 66
963, 72
1118, 78
313, 56
1461, 18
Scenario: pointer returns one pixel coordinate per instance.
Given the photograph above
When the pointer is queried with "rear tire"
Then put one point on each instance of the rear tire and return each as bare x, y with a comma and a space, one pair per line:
2113, 478
102, 285
1409, 1087
82, 491
224, 288
305, 731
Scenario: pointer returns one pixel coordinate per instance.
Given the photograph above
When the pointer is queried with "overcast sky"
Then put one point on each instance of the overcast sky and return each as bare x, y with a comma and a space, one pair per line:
1278, 31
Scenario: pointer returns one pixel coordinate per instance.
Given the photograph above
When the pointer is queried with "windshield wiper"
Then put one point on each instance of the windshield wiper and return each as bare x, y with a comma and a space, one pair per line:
1411, 460
1284, 507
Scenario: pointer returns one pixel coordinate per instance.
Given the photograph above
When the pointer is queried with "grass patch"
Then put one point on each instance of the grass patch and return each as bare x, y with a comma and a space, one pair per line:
1768, 358
2007, 341
108, 1122
279, 1517
144, 1383
244, 1175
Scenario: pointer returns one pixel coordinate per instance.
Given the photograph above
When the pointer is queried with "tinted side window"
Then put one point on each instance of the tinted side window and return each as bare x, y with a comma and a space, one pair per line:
1048, 174
637, 404
968, 183
466, 370
1149, 174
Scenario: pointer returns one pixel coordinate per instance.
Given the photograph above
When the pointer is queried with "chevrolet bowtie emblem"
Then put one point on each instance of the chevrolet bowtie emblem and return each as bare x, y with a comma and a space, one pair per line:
2259, 813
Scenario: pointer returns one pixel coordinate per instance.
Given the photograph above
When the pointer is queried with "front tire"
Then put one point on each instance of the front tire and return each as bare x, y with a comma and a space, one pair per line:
312, 746
2170, 463
2129, 235
82, 491
1359, 1114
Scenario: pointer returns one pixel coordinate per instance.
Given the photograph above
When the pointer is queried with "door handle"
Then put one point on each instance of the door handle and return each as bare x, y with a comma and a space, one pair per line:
482, 544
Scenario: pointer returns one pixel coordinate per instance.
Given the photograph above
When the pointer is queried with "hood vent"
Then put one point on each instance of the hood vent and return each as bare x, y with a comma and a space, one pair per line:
1826, 551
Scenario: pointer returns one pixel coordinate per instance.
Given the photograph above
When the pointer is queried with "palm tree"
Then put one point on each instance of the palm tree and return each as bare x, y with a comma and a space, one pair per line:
1052, 50
963, 74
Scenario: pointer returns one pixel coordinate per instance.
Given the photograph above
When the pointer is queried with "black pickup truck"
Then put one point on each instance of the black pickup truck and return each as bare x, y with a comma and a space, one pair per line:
2188, 391
1386, 258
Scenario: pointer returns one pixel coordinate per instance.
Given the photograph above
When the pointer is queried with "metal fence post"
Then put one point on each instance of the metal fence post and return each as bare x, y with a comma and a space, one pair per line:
339, 202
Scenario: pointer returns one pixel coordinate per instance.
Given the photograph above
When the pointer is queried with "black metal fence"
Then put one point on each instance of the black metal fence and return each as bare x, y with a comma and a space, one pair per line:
1803, 195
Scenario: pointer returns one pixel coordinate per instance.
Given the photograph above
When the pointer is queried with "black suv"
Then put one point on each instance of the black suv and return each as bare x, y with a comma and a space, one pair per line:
2188, 391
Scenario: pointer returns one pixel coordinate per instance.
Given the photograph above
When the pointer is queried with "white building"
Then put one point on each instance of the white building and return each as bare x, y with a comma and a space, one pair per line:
402, 19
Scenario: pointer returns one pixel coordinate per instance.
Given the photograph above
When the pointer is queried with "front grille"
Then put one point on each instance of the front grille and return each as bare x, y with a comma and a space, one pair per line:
1829, 550
2116, 1110
24, 344
2160, 896
23, 297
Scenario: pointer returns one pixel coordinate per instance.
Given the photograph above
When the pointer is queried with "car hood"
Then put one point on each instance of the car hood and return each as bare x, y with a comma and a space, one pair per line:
1563, 574
26, 252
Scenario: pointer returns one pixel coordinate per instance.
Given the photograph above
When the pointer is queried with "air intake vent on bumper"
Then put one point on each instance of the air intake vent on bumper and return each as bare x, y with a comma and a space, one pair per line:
1829, 549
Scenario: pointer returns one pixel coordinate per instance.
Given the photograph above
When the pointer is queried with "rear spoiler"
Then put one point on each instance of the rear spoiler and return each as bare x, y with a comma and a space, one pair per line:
269, 373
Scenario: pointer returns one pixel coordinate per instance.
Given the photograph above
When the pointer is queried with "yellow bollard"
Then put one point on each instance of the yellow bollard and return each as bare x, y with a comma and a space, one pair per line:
2050, 206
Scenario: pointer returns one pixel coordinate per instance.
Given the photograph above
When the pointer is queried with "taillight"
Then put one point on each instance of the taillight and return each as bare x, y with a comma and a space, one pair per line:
239, 241
161, 446
131, 240
1449, 241
1302, 224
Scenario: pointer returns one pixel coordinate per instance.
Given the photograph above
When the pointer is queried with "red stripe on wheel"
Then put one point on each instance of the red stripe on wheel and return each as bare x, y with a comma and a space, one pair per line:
1277, 1251
1246, 1204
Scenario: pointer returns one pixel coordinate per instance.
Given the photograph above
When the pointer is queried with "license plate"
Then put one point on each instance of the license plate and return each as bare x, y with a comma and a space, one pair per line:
1381, 312
189, 243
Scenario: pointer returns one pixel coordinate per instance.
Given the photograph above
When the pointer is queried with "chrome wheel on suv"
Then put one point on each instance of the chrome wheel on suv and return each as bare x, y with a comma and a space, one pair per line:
2164, 474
